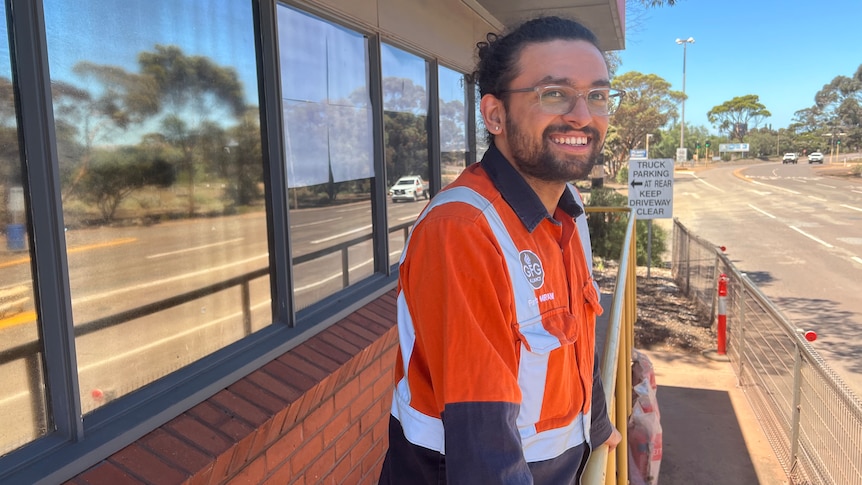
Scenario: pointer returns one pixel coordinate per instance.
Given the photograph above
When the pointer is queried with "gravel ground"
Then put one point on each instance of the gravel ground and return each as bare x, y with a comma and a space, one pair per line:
667, 320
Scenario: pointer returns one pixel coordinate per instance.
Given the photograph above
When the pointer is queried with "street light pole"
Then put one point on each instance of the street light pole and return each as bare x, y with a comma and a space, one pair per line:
685, 43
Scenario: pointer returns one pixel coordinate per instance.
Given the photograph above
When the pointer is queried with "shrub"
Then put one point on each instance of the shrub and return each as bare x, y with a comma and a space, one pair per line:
608, 229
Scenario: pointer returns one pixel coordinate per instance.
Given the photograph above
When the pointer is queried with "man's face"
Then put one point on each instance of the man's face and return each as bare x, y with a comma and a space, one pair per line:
554, 147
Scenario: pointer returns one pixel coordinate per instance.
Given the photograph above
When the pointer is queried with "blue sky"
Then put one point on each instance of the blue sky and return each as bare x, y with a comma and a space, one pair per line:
784, 51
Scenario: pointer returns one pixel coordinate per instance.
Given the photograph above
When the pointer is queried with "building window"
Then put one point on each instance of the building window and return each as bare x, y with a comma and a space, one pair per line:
159, 145
453, 124
405, 115
23, 411
329, 151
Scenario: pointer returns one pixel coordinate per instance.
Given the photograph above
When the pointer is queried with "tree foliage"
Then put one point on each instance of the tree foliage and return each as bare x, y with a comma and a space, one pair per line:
738, 115
649, 105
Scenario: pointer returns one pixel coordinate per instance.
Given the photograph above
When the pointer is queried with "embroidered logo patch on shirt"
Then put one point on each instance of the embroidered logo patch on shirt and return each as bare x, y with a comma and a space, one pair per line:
532, 267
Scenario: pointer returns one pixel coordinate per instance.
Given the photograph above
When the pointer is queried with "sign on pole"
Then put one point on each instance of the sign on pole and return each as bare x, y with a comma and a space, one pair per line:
681, 155
651, 188
637, 153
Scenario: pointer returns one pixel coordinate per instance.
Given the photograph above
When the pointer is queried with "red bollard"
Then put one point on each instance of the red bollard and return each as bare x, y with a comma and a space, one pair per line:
722, 314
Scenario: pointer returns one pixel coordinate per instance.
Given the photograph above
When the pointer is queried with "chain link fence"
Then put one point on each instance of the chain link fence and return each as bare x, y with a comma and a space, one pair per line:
810, 416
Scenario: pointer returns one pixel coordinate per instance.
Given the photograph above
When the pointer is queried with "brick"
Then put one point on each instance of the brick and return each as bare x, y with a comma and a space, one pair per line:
318, 418
285, 447
222, 420
107, 473
221, 466
338, 474
306, 453
336, 426
321, 360
282, 475
257, 395
241, 456
281, 389
180, 454
320, 467
307, 367
329, 350
148, 466
239, 407
361, 332
355, 476
344, 396
361, 448
253, 473
346, 441
202, 436
335, 336
362, 402
290, 376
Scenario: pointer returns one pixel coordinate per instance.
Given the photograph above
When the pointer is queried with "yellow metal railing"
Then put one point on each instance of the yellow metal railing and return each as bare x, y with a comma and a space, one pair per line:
605, 468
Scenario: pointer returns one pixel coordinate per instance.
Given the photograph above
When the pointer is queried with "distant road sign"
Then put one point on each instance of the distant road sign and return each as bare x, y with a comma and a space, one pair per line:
681, 155
651, 188
733, 147
637, 153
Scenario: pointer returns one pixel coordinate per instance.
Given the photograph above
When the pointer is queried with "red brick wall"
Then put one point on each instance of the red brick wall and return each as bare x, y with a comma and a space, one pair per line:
317, 414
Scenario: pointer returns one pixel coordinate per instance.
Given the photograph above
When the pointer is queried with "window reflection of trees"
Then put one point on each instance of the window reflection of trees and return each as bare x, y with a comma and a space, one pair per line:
203, 135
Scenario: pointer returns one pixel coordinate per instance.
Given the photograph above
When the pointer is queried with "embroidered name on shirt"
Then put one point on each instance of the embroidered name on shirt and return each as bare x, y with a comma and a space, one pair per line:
546, 296
532, 267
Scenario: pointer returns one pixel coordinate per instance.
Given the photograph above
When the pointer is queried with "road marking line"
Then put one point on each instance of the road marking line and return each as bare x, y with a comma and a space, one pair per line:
800, 231
330, 238
857, 259
858, 192
78, 249
171, 253
762, 211
316, 223
707, 183
830, 186
18, 319
821, 199
775, 187
851, 207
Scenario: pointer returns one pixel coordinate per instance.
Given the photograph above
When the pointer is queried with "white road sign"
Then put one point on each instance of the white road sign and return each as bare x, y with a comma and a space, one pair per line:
651, 188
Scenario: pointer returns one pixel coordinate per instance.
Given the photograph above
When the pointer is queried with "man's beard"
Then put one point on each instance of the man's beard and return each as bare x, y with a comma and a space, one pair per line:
539, 161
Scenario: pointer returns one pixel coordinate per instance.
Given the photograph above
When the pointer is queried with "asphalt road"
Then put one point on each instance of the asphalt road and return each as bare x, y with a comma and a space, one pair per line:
797, 233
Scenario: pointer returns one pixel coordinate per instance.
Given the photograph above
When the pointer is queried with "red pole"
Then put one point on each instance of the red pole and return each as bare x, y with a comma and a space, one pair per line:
722, 314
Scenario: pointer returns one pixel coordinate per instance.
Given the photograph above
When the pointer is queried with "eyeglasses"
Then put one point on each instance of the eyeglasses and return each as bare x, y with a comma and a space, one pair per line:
560, 100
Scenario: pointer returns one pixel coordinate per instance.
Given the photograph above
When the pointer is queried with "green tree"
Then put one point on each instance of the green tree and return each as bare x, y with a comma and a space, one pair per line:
114, 175
190, 92
738, 115
649, 105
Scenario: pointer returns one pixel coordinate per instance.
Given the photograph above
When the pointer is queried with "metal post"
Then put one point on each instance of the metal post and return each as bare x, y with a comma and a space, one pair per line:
797, 398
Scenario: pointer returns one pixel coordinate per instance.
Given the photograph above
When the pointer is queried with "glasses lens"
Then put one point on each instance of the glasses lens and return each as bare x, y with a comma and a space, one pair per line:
557, 100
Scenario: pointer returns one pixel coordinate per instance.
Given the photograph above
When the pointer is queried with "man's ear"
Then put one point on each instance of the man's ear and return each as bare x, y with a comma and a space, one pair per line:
493, 113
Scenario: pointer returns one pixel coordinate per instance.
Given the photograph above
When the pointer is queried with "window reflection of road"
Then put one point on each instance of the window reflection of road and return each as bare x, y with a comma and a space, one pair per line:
124, 268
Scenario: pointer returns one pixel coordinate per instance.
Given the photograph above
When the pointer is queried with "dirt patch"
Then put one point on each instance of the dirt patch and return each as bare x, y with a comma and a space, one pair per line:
666, 319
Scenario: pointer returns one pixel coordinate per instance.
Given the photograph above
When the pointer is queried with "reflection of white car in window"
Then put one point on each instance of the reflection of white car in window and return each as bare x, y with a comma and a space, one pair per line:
409, 187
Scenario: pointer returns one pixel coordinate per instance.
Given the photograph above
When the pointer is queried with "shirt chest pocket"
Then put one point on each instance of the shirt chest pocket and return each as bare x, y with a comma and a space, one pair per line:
548, 331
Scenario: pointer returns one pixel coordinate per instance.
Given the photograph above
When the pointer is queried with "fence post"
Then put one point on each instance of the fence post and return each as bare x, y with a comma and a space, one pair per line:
796, 411
722, 314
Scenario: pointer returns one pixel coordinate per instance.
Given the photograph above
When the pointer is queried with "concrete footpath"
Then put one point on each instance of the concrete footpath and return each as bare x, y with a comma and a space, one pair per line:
710, 434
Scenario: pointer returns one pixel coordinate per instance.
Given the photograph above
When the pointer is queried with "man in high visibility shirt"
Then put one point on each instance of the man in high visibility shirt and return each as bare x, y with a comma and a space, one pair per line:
496, 379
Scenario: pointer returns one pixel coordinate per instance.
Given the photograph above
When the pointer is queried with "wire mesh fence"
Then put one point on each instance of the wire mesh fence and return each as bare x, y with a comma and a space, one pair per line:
810, 417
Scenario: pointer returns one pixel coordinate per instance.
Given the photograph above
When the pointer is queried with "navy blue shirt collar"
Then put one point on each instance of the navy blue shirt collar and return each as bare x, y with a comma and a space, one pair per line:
518, 193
